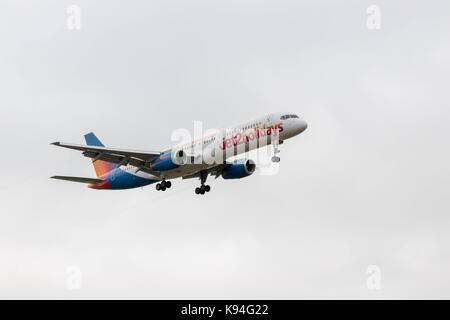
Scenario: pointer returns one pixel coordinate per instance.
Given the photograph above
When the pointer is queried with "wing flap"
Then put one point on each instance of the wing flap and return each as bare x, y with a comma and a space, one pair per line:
113, 158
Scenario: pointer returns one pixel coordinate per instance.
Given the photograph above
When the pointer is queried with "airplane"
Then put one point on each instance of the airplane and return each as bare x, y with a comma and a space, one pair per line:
118, 169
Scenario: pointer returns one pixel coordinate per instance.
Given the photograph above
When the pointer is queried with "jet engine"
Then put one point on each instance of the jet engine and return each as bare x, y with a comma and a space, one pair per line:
239, 169
169, 160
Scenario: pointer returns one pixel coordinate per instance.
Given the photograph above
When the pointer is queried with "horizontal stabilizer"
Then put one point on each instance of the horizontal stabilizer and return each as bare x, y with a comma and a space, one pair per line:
78, 179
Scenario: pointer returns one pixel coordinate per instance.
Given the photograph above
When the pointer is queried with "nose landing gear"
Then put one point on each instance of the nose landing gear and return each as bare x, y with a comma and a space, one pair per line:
275, 158
163, 185
203, 188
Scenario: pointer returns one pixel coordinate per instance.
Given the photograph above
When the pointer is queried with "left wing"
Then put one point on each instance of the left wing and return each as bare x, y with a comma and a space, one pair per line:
119, 156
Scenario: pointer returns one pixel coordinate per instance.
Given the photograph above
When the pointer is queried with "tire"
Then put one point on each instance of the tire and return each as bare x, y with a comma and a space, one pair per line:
202, 188
163, 184
207, 188
163, 188
202, 191
168, 184
197, 190
158, 186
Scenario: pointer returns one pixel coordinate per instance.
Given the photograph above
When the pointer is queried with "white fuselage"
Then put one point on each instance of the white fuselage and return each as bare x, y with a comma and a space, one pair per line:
231, 141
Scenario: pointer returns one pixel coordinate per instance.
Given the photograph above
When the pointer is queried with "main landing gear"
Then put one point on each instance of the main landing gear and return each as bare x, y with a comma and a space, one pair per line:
163, 185
203, 188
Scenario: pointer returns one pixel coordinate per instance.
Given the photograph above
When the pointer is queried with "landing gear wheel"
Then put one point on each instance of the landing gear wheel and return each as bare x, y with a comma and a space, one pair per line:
168, 184
203, 188
163, 188
158, 186
275, 159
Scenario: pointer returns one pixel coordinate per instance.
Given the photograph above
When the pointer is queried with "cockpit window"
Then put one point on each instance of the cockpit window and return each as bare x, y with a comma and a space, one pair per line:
287, 116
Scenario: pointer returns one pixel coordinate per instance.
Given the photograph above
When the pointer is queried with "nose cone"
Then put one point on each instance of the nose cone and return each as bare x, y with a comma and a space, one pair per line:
300, 126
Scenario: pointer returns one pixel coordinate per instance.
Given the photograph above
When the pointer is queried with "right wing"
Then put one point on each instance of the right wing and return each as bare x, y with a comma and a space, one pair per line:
78, 179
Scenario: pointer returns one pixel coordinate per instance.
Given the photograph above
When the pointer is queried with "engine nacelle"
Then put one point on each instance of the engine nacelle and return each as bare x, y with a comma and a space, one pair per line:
239, 169
169, 160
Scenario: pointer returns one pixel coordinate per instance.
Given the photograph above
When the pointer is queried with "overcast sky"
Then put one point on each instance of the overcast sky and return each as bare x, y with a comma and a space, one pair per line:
366, 184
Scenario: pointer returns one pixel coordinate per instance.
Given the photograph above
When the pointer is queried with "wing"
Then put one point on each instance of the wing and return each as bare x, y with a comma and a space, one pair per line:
119, 156
78, 179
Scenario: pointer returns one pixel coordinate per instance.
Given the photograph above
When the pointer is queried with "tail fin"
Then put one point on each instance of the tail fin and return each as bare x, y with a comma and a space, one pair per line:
101, 167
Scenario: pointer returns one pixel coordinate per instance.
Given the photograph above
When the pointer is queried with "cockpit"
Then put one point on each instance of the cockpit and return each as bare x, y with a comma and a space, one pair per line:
288, 116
